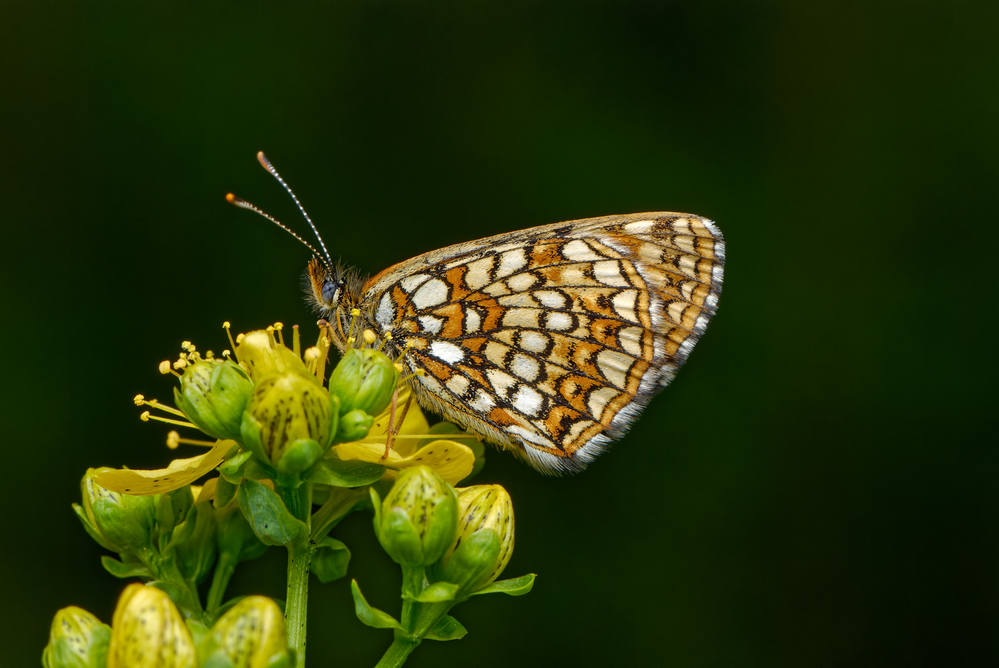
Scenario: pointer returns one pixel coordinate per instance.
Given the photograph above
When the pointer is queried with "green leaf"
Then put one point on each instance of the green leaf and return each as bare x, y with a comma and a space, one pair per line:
330, 560
122, 570
438, 592
511, 586
267, 515
232, 469
225, 491
446, 628
369, 616
336, 472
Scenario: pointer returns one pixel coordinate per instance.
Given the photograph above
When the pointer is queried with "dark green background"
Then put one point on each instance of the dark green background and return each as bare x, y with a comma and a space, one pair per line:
817, 488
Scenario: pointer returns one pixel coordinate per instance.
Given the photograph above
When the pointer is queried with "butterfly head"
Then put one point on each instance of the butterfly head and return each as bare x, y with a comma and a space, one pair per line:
327, 284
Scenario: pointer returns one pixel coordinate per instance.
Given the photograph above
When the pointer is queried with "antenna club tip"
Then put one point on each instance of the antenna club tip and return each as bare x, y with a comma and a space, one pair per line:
264, 162
229, 197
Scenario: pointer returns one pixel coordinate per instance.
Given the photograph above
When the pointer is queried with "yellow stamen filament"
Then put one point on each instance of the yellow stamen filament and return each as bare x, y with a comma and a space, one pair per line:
354, 315
227, 353
296, 341
146, 416
227, 326
324, 349
174, 439
278, 326
153, 403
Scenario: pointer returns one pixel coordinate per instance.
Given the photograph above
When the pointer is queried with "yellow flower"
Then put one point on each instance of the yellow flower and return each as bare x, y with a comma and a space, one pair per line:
264, 351
451, 459
148, 631
261, 354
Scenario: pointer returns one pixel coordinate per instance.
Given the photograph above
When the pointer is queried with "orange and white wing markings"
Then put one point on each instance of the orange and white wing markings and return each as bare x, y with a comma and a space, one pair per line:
550, 341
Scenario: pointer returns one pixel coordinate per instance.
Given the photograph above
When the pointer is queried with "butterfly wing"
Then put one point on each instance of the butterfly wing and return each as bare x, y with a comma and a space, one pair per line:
551, 340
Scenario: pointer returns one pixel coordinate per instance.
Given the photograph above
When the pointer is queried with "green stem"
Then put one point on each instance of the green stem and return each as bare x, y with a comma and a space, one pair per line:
398, 652
224, 569
412, 585
296, 605
297, 599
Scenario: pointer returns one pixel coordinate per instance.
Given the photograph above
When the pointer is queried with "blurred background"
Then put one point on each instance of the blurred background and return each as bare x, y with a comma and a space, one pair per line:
819, 485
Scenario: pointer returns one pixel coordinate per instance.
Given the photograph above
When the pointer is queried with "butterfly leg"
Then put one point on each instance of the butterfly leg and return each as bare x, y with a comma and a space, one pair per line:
395, 425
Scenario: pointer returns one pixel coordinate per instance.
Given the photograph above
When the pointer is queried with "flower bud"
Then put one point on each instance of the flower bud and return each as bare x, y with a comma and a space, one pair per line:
418, 518
148, 631
485, 537
118, 522
252, 633
213, 394
266, 357
364, 379
285, 410
77, 640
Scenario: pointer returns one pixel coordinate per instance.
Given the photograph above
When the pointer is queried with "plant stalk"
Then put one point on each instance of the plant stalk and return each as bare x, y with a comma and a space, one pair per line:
297, 599
398, 652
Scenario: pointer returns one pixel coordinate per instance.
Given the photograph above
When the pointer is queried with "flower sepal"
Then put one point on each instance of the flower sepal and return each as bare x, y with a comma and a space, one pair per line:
77, 639
213, 394
251, 634
418, 518
364, 379
354, 425
284, 410
330, 559
148, 630
120, 523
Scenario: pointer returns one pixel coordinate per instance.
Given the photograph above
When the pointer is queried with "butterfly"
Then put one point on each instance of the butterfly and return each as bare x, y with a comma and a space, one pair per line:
548, 342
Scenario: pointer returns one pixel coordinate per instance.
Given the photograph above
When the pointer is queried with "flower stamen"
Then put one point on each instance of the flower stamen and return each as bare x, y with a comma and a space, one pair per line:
146, 416
173, 441
228, 332
164, 368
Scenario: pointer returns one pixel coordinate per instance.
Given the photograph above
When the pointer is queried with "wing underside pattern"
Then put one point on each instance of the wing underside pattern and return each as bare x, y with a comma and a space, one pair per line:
551, 340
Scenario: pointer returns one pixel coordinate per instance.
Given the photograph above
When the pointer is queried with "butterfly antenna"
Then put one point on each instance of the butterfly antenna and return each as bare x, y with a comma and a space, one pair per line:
266, 164
243, 204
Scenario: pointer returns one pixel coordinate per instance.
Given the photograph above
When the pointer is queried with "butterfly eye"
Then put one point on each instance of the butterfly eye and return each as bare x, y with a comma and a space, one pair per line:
331, 291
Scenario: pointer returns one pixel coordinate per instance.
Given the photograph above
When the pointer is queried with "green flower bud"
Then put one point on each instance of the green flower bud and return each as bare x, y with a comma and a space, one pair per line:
118, 522
213, 395
418, 519
148, 631
284, 410
354, 426
364, 379
77, 640
252, 633
484, 543
266, 357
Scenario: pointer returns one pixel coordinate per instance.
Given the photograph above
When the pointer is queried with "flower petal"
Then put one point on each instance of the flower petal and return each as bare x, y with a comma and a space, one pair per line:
180, 472
452, 460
